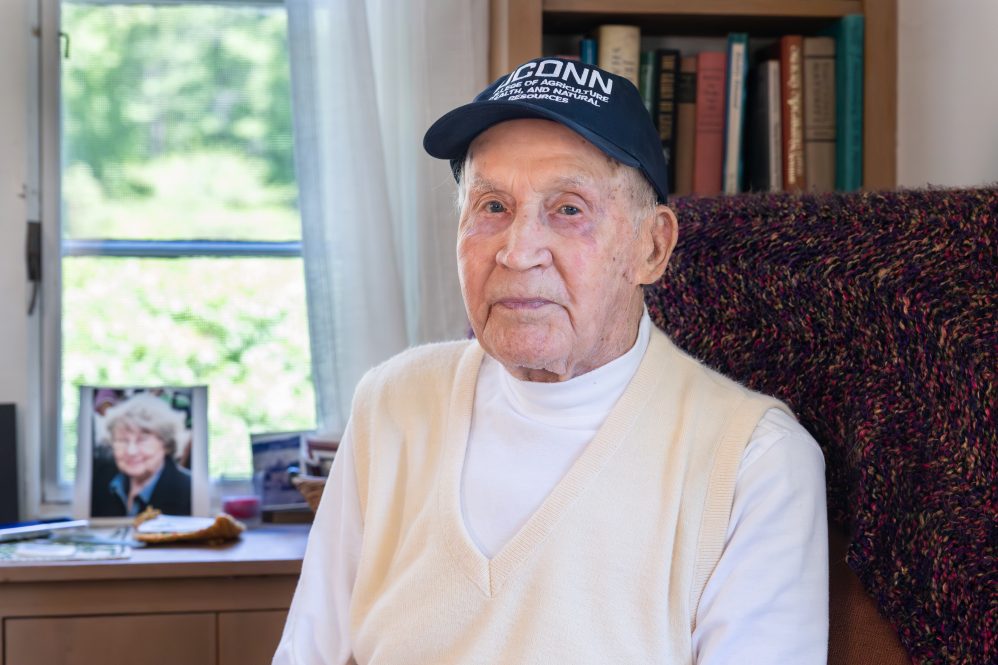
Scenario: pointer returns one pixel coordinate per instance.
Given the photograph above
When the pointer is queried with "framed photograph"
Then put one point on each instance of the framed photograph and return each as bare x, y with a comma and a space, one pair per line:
272, 455
140, 447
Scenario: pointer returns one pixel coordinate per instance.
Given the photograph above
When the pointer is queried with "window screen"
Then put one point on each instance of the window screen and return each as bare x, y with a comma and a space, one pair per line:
180, 229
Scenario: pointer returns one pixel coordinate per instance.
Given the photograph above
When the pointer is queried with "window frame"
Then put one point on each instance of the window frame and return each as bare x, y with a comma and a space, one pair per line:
43, 436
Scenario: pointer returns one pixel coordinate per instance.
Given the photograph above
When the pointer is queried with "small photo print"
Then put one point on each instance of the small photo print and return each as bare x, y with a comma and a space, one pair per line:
142, 447
272, 455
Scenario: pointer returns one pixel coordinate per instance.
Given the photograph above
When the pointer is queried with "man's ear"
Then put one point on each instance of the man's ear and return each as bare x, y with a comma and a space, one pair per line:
658, 238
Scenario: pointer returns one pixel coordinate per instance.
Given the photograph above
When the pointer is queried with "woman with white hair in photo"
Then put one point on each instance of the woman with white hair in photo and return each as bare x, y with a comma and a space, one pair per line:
141, 469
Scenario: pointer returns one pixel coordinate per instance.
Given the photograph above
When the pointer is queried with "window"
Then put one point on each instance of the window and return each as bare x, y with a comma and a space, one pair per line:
179, 230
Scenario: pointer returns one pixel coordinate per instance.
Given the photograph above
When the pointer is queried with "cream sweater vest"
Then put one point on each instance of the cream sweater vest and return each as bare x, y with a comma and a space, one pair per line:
611, 566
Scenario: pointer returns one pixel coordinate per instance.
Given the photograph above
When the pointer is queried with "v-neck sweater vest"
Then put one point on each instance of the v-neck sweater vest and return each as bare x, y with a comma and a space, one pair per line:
611, 566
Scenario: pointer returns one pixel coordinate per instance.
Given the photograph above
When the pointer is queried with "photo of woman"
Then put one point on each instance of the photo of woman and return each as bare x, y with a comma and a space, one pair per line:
141, 443
143, 433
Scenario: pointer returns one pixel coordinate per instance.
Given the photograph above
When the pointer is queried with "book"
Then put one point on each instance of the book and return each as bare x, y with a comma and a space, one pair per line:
791, 55
619, 48
587, 51
848, 34
38, 528
819, 113
686, 105
765, 135
646, 80
35, 551
666, 72
734, 111
708, 150
273, 455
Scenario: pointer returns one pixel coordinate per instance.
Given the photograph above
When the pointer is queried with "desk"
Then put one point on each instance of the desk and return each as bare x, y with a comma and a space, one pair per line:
221, 605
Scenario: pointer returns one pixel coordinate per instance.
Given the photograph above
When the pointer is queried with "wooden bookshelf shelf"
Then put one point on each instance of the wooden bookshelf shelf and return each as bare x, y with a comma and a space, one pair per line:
518, 28
773, 8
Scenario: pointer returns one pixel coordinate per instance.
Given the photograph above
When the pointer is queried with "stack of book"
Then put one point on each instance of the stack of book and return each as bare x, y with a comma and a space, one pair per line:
780, 116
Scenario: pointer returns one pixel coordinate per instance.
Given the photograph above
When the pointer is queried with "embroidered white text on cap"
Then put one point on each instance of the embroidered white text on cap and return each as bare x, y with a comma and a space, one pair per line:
558, 69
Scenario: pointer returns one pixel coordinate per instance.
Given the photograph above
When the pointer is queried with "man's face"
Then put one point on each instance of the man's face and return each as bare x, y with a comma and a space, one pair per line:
550, 257
138, 453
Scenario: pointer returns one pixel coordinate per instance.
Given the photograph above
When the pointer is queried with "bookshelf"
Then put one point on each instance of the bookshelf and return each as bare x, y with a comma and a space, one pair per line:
518, 28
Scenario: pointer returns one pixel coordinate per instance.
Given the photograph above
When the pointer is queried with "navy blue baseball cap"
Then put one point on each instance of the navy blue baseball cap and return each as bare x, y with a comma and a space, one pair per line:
606, 109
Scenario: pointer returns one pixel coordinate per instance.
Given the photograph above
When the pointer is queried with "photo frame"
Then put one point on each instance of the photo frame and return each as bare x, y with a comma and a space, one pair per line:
139, 447
273, 454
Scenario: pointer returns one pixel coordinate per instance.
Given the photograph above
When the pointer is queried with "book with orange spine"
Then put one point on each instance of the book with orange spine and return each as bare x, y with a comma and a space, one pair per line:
708, 150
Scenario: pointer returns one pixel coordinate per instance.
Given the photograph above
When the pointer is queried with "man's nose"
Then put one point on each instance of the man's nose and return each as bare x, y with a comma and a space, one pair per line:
526, 243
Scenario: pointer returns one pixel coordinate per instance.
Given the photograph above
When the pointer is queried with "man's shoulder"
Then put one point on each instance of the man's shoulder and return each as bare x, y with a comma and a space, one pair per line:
425, 359
710, 379
411, 388
426, 365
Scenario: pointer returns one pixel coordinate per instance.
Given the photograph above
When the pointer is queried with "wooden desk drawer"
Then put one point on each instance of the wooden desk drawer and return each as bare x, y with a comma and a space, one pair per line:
145, 639
249, 638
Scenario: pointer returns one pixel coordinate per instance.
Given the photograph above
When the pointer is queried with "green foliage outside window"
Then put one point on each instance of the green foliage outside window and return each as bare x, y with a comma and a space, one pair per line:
177, 125
144, 81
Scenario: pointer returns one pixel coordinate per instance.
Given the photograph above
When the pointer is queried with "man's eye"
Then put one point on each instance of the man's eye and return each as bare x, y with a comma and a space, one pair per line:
569, 210
495, 207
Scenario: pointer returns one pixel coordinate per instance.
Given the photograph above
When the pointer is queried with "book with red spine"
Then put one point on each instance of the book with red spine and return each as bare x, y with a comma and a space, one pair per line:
708, 150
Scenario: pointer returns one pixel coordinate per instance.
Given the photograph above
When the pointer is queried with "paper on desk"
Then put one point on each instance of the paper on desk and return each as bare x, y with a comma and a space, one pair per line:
175, 524
44, 550
47, 551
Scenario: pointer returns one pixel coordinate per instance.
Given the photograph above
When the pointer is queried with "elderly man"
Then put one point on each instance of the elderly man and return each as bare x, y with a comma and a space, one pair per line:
570, 487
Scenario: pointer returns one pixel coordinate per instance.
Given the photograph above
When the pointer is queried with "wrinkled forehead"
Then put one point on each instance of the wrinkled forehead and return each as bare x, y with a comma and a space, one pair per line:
483, 183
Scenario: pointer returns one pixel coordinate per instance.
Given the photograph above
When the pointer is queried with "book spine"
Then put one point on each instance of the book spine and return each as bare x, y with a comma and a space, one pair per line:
819, 113
620, 50
587, 51
708, 151
756, 132
775, 126
647, 76
686, 118
734, 115
764, 133
792, 92
667, 68
849, 103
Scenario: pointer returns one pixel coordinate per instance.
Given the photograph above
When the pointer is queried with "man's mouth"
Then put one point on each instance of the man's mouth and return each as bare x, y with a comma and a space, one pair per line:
523, 303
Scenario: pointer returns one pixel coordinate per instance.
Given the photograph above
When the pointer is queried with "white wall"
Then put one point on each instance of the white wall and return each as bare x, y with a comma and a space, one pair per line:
947, 92
13, 208
947, 134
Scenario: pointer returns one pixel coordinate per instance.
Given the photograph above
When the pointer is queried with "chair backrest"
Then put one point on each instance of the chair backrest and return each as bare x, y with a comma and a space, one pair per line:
875, 317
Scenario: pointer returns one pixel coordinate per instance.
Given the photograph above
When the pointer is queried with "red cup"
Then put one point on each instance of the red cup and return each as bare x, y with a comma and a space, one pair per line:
244, 508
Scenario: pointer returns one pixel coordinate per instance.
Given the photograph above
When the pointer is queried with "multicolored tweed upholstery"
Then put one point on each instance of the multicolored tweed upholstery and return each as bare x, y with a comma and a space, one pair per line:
875, 317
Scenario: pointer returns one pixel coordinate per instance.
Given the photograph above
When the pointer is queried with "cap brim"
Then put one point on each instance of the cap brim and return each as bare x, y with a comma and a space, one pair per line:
450, 136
